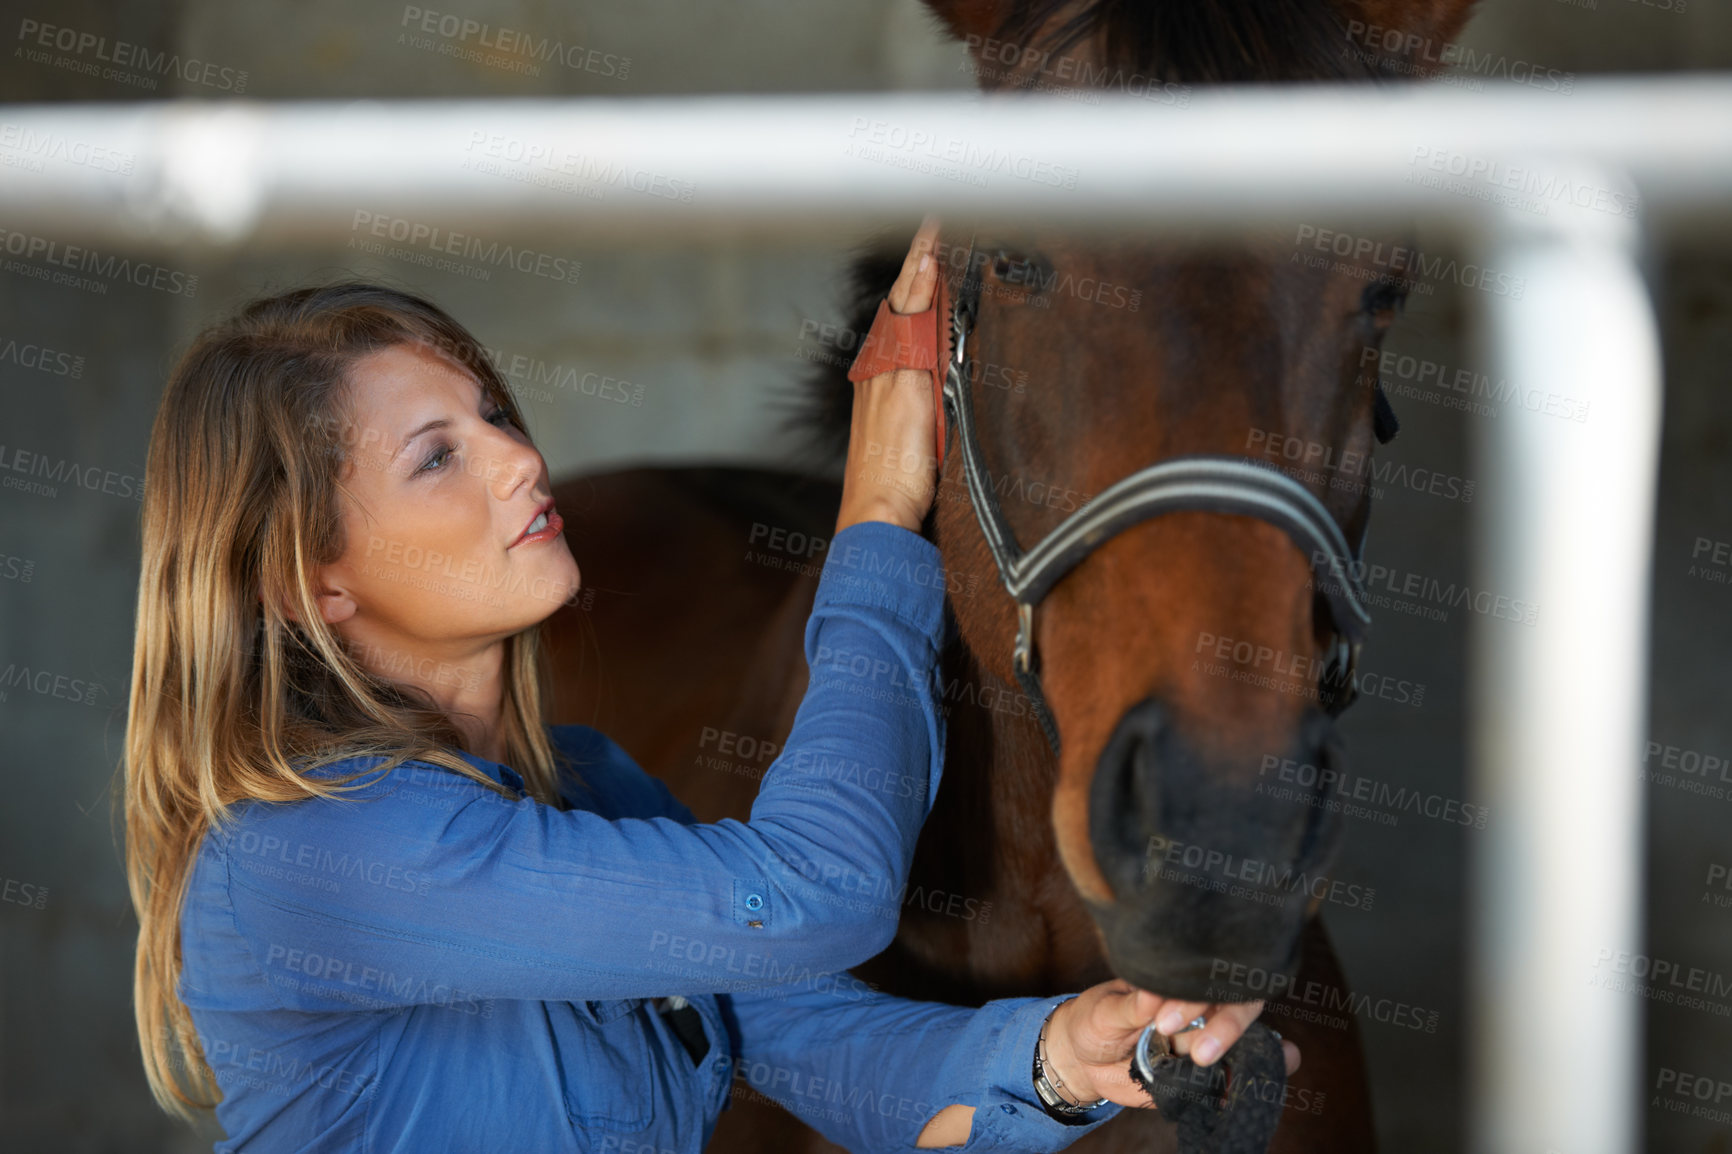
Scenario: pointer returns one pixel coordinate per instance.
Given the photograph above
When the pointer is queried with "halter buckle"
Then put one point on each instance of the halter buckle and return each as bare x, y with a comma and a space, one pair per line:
1023, 655
1337, 685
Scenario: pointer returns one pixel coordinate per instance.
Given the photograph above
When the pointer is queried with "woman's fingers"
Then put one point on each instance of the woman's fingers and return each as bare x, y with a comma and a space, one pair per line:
1116, 1013
892, 472
912, 292
1226, 1023
1175, 1016
1134, 1009
1098, 1028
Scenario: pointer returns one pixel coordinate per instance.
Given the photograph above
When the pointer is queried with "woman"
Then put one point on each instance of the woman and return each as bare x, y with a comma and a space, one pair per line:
383, 907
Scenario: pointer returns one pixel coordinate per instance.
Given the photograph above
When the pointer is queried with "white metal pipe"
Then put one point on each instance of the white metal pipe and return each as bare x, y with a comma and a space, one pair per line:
596, 170
1559, 705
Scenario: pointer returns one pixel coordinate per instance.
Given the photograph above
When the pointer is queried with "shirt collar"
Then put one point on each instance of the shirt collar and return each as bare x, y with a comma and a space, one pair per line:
504, 775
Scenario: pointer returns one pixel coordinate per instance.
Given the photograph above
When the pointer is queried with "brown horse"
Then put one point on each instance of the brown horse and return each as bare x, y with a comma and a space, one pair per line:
1091, 361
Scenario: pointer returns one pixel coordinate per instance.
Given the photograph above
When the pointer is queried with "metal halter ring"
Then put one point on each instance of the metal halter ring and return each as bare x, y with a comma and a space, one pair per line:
1145, 1064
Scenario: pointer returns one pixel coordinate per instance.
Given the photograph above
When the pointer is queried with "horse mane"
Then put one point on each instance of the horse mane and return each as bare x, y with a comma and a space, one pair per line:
1171, 41
821, 411
1197, 41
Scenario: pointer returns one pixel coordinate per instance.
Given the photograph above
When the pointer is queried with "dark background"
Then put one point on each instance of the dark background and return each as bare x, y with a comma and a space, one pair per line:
708, 336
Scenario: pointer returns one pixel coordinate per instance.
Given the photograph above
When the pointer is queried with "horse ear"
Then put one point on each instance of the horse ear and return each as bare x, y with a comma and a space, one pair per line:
1416, 32
970, 21
1412, 35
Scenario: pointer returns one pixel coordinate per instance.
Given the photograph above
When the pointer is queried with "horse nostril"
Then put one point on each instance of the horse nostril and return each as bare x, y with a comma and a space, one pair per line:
1207, 850
1125, 808
1153, 793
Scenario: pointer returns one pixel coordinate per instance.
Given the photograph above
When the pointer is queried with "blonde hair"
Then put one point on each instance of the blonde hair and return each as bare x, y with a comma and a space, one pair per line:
232, 700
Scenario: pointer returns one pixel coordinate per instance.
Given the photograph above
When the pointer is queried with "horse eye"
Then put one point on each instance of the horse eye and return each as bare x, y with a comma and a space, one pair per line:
1383, 296
1017, 268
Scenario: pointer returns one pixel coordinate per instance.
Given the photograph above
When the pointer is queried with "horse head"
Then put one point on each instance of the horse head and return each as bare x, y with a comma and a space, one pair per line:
1191, 801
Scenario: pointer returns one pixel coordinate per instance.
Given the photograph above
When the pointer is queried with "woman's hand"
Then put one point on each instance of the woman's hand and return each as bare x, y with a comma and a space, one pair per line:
1090, 1038
891, 472
1089, 1042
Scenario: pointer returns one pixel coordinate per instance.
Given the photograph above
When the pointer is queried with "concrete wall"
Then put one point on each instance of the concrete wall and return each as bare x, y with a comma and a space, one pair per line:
699, 342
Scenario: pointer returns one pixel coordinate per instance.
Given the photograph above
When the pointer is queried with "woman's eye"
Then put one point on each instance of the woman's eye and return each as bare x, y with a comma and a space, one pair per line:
436, 460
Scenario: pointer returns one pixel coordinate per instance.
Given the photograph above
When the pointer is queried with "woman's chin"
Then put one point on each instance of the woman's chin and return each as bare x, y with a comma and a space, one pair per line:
545, 595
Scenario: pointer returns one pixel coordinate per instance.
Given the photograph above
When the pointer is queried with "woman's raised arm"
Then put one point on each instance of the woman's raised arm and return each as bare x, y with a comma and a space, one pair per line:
425, 882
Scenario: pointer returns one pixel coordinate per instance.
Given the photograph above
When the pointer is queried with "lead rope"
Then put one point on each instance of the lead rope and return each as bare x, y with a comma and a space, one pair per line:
1240, 1120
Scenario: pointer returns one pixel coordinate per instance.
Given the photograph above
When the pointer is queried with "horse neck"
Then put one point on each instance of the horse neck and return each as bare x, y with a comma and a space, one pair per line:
990, 837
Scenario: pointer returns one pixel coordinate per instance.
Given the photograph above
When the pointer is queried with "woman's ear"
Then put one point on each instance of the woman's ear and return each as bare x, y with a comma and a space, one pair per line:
335, 603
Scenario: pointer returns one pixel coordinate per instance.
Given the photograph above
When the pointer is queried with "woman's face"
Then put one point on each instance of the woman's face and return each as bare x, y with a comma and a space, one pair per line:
442, 492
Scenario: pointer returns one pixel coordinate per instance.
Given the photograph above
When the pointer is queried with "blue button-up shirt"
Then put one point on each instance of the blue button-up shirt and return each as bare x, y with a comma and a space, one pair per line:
428, 965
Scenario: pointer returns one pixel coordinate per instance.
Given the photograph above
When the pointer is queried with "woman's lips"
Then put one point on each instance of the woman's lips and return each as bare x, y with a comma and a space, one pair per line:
547, 533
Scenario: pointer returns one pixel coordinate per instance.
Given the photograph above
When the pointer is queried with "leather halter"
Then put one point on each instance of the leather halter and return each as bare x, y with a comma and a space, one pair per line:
1193, 482
1206, 482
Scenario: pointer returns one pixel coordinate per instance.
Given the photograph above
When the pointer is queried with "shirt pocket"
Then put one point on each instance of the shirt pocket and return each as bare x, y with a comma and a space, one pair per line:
606, 1064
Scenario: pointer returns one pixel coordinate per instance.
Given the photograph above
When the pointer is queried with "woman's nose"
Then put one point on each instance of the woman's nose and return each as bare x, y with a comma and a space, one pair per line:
510, 464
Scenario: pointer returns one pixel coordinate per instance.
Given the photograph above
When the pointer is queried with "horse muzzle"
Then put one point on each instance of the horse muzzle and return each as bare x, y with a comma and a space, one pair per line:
1213, 866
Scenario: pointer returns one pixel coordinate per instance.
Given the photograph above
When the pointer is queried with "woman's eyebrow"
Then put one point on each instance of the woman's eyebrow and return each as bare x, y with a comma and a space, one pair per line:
440, 422
437, 423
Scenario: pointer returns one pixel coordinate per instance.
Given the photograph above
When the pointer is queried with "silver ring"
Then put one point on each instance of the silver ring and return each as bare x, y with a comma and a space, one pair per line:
1153, 1050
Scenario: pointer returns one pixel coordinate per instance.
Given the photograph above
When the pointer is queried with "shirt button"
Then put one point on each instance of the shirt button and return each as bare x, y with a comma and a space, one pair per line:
754, 902
1008, 1108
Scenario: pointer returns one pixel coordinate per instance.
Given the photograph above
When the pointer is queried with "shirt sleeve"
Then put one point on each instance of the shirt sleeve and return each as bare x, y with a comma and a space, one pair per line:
425, 886
869, 1070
